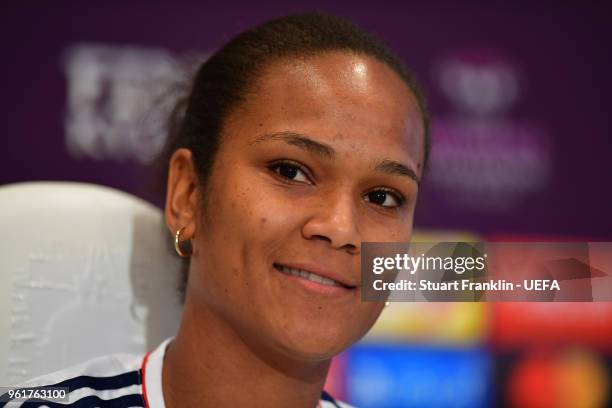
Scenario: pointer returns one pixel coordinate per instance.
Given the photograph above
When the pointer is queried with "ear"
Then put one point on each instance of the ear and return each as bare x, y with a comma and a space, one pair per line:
181, 196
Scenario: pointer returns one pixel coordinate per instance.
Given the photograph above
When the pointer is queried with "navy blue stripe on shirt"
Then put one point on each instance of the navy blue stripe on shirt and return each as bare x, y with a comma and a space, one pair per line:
97, 383
125, 401
101, 383
326, 397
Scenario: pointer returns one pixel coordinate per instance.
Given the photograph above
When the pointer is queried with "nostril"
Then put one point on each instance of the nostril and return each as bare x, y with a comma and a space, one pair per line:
323, 237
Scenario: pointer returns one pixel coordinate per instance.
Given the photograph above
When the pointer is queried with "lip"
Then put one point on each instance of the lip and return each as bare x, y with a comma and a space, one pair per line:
346, 282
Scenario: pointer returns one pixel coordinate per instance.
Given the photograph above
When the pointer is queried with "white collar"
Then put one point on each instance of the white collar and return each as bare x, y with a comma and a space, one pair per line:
152, 376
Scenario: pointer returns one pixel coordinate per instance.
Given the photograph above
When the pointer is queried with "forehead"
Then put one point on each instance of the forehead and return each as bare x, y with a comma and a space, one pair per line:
337, 98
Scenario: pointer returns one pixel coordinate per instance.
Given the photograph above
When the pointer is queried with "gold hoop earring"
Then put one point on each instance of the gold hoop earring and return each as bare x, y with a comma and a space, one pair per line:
177, 244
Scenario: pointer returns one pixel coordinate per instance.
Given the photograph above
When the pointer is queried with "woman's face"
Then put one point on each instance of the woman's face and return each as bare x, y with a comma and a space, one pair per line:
324, 154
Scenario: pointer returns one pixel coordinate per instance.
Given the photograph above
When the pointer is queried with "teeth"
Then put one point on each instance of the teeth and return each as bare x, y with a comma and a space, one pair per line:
310, 276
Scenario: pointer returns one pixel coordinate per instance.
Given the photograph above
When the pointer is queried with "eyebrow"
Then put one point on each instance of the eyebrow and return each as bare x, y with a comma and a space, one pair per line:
396, 169
301, 141
386, 166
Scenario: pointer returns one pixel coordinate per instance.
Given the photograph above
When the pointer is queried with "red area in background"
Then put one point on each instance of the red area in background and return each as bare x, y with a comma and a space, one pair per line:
532, 384
523, 324
515, 325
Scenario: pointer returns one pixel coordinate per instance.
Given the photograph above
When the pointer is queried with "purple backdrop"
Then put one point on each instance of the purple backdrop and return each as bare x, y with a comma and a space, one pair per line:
544, 70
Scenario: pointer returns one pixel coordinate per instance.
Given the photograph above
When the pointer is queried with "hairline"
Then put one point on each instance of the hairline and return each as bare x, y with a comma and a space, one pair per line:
259, 74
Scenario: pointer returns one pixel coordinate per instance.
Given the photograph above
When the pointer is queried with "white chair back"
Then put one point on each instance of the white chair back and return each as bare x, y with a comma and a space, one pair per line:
85, 270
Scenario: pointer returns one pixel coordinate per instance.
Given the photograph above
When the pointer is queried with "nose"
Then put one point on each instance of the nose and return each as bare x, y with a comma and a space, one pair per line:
335, 220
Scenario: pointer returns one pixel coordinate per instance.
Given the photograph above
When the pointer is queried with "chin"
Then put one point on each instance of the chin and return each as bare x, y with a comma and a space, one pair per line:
313, 343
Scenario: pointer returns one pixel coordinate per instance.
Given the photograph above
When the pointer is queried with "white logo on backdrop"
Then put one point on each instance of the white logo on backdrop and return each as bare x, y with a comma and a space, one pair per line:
119, 99
484, 157
479, 89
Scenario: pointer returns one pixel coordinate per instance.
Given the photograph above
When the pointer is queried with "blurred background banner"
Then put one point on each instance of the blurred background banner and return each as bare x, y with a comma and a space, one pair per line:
519, 95
418, 376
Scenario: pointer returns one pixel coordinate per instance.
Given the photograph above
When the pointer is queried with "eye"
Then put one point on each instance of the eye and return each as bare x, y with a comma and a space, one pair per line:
291, 171
385, 198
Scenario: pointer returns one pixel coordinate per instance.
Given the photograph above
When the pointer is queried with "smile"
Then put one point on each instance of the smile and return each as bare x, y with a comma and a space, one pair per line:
307, 275
310, 276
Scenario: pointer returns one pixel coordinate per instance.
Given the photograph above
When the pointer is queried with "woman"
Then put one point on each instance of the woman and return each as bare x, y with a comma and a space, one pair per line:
301, 138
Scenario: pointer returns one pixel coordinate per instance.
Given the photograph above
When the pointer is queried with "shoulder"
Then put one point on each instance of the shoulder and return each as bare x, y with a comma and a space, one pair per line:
99, 367
115, 378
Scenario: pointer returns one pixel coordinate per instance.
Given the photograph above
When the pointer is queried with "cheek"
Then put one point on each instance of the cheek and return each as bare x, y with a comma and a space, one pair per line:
379, 229
244, 223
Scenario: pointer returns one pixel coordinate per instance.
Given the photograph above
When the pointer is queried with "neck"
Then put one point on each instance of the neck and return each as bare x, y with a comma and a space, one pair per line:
209, 365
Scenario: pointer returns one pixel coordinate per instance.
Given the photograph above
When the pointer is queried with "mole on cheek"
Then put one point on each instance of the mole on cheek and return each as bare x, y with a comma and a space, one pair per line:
264, 220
